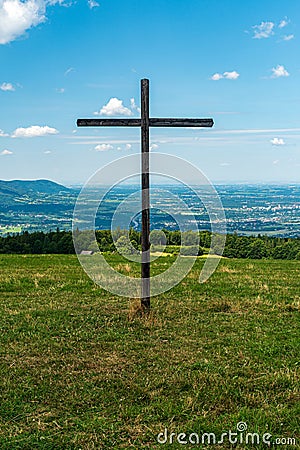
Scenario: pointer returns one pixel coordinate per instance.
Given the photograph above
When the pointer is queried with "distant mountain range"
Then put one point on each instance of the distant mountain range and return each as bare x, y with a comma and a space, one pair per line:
21, 194
22, 187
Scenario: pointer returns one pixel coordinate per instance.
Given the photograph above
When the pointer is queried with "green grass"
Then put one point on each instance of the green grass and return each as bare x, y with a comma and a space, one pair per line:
81, 370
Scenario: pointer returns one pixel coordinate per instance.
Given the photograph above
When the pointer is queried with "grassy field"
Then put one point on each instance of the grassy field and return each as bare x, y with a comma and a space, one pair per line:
5, 230
81, 369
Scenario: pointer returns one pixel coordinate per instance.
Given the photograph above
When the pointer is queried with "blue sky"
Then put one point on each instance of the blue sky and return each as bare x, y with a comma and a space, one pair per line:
237, 62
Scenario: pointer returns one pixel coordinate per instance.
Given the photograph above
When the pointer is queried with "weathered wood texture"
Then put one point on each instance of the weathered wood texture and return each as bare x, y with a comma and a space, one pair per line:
109, 122
158, 122
153, 122
145, 269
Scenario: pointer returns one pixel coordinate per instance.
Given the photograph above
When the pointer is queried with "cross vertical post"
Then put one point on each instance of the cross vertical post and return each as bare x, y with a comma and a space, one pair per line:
145, 123
145, 241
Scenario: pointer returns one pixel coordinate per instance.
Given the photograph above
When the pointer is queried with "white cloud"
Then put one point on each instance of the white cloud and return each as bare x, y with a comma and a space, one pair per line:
93, 4
276, 161
34, 131
17, 16
264, 30
2, 134
7, 87
134, 106
6, 152
288, 37
47, 152
277, 141
231, 75
283, 23
114, 107
216, 77
103, 147
227, 75
225, 164
279, 71
60, 90
128, 146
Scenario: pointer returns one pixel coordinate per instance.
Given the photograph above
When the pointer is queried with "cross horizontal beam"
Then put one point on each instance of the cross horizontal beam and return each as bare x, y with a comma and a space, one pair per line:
153, 122
109, 122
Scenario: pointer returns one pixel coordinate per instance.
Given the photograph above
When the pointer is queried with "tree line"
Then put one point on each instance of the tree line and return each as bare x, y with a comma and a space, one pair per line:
252, 247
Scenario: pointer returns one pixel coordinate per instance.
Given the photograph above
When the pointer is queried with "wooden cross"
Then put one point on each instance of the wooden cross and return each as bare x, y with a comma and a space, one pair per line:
144, 123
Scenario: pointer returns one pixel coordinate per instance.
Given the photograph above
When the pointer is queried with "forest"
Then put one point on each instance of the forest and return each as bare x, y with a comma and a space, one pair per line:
61, 242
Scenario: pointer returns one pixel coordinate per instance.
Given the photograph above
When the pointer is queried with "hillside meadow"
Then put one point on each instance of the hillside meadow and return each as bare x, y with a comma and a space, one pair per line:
83, 369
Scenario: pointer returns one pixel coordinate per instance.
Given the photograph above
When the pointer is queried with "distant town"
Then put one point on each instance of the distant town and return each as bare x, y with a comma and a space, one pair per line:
42, 205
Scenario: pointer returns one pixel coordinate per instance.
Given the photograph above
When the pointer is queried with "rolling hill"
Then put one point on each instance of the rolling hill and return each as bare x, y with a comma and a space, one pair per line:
26, 187
15, 191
